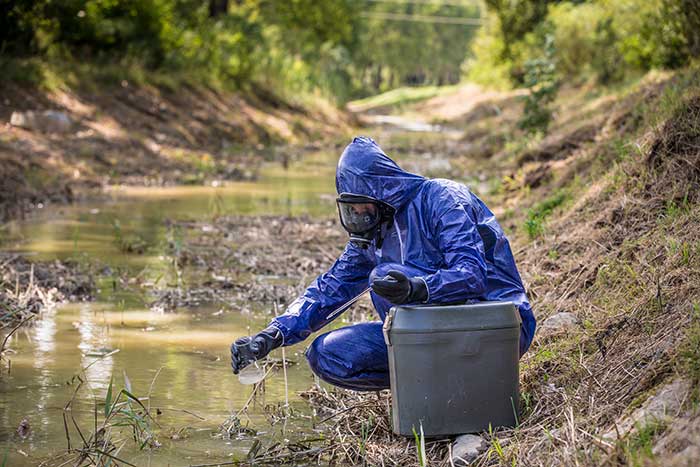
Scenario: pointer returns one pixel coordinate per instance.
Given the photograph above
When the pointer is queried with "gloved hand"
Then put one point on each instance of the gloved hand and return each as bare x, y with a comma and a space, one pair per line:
399, 289
246, 350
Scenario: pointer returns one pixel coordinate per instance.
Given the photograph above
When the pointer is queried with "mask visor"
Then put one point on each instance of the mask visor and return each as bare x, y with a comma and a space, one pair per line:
358, 217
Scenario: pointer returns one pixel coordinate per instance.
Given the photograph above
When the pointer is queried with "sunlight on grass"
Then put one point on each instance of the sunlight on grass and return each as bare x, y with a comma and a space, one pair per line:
398, 97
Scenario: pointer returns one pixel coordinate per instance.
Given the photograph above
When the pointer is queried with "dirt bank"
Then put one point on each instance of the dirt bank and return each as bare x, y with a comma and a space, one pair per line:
603, 216
139, 134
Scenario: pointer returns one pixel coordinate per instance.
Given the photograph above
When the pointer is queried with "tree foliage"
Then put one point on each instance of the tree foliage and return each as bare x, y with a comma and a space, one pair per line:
341, 46
606, 39
543, 83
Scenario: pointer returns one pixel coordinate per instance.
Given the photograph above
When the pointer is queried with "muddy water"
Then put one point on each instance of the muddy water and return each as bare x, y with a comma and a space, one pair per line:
119, 335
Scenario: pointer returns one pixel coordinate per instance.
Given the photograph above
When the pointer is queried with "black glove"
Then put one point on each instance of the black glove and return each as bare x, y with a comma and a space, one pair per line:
246, 350
399, 289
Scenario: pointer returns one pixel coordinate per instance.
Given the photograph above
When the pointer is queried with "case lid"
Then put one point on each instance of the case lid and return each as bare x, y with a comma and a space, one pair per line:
479, 316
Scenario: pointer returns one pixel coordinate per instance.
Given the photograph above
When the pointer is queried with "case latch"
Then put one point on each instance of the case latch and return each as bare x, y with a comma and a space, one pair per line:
387, 325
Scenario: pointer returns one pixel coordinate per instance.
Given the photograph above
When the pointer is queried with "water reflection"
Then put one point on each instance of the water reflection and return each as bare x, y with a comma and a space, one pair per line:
97, 361
195, 387
187, 350
44, 333
139, 214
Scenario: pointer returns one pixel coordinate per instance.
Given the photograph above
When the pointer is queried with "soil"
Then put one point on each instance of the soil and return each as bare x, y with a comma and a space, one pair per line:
145, 135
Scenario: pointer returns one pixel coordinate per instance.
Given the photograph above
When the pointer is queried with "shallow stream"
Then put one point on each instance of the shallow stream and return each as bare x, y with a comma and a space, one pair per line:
177, 362
118, 334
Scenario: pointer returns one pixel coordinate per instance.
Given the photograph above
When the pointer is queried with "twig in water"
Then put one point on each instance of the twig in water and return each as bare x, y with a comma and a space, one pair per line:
150, 389
7, 337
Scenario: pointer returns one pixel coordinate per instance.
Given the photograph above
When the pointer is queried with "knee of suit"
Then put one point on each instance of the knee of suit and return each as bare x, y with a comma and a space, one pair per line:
321, 360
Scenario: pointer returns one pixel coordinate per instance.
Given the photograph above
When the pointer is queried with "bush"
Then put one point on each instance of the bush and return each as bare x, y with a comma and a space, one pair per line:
538, 214
485, 64
606, 39
89, 27
542, 82
576, 29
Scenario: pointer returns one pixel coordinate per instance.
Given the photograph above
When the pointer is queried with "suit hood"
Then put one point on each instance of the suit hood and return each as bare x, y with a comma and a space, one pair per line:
364, 169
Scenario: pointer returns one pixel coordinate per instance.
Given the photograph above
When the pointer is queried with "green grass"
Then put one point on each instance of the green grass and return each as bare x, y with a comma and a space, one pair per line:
399, 97
420, 446
638, 448
690, 348
538, 214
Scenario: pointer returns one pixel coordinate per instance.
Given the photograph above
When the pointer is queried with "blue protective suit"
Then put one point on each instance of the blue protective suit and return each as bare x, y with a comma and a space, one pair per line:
441, 232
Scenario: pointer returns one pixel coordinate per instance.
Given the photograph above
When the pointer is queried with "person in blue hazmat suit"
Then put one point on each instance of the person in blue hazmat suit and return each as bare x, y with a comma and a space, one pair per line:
412, 240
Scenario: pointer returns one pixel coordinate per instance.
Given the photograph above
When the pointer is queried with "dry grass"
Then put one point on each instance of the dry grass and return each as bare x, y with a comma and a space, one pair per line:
27, 289
624, 257
358, 430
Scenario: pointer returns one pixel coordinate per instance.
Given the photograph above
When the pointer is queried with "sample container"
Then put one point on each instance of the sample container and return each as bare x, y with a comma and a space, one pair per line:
454, 368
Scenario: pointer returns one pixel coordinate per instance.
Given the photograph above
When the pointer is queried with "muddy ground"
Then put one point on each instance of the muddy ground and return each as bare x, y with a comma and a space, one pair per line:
603, 218
139, 134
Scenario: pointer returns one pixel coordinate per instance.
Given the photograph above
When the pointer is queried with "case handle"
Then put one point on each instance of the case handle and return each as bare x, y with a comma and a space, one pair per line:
387, 326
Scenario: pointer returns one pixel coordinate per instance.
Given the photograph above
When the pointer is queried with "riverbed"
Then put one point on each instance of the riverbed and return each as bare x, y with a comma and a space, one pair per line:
174, 360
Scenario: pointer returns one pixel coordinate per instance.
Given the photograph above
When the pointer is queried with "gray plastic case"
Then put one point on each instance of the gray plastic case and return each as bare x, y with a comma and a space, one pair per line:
453, 369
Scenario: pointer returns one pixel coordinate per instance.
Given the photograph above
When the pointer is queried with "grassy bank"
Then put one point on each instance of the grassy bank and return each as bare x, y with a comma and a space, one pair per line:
129, 125
602, 213
603, 216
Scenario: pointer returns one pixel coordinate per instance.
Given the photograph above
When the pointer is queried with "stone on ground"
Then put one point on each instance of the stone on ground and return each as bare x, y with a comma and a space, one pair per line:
47, 121
663, 406
558, 324
466, 448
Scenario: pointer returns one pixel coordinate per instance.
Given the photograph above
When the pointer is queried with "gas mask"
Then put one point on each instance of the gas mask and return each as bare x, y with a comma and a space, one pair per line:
363, 218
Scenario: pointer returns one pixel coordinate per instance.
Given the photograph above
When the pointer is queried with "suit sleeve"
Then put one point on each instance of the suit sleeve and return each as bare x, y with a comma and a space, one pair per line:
463, 276
325, 298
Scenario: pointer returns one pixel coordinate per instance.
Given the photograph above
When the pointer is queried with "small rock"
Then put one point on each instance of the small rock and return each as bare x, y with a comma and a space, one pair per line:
686, 458
466, 448
558, 324
662, 406
23, 430
47, 121
680, 433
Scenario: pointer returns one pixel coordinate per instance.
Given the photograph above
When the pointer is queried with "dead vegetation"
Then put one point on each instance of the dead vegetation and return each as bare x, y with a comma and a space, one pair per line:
358, 429
266, 260
26, 287
605, 229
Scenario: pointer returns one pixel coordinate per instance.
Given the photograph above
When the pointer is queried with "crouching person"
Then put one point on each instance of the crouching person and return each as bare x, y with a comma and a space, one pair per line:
412, 241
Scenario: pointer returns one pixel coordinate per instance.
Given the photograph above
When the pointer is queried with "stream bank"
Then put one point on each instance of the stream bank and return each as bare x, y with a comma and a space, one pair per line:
62, 143
602, 215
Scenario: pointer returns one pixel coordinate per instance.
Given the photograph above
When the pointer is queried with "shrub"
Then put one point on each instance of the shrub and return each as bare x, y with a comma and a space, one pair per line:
541, 79
607, 39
